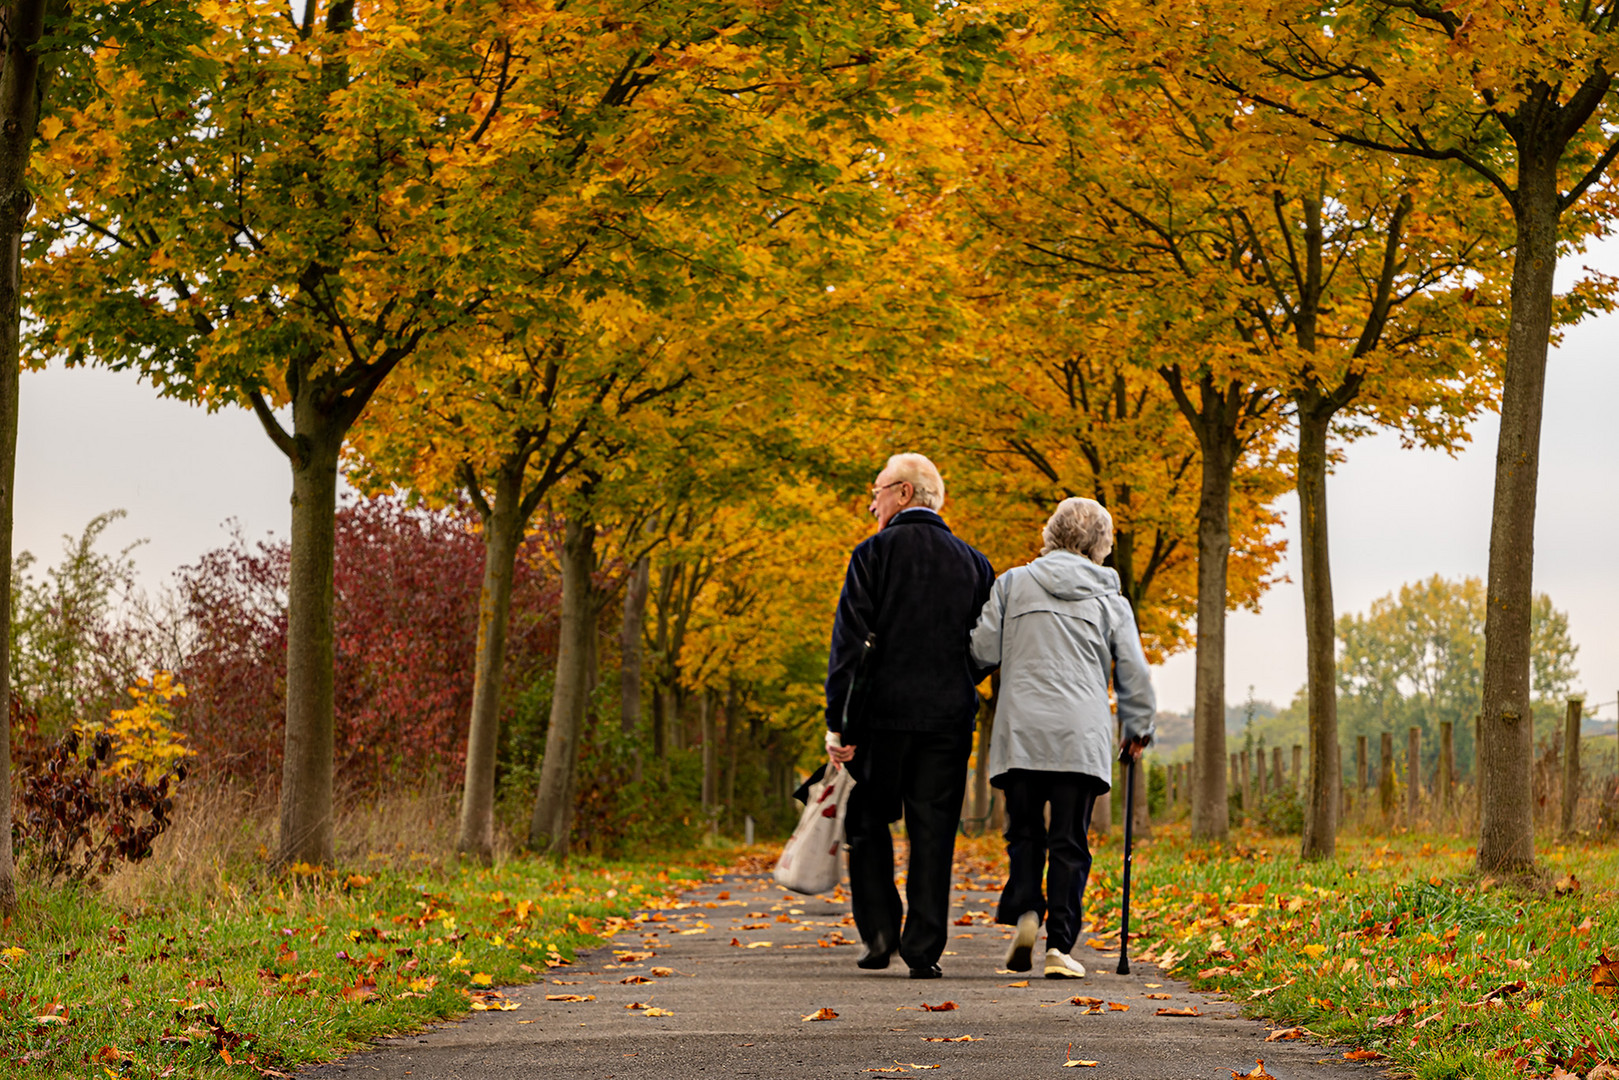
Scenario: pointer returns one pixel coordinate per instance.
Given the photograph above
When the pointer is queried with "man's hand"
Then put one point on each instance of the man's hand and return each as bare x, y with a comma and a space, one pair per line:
1131, 750
835, 749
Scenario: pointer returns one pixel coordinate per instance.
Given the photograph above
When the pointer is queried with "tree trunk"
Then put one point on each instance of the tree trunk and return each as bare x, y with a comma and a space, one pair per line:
549, 828
1320, 638
310, 743
705, 723
503, 530
730, 757
632, 649
1506, 736
22, 85
1210, 816
1141, 823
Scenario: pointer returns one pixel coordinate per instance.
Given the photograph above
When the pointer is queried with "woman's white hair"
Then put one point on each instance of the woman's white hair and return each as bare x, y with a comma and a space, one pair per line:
1082, 526
927, 485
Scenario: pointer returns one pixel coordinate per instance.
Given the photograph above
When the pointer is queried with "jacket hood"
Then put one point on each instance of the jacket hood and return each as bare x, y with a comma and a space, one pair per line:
1068, 576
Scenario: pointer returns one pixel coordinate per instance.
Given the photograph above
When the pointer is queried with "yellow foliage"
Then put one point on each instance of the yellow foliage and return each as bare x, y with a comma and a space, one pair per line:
143, 742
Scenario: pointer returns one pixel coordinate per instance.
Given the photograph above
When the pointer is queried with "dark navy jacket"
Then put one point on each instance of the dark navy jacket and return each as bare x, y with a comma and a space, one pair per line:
919, 589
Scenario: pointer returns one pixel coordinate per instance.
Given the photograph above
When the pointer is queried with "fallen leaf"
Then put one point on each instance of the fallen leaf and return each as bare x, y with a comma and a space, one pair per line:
657, 1012
958, 1038
1605, 975
1566, 885
1160, 997
1313, 951
1190, 1011
1115, 1006
1085, 1001
635, 980
633, 957
943, 1006
1016, 985
663, 972
760, 944
1361, 1055
1153, 986
914, 1065
1080, 1064
822, 1013
1099, 943
1257, 1072
884, 1069
570, 997
1282, 1034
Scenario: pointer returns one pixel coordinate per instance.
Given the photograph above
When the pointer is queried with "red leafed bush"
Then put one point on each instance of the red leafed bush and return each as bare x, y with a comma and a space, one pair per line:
76, 819
407, 583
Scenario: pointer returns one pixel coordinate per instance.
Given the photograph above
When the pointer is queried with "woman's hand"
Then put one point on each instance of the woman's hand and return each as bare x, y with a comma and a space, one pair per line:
835, 749
1131, 750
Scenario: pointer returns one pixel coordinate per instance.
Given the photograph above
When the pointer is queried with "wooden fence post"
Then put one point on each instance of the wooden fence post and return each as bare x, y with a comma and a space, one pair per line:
1385, 781
1247, 784
1413, 768
1447, 765
1571, 762
1278, 781
1298, 767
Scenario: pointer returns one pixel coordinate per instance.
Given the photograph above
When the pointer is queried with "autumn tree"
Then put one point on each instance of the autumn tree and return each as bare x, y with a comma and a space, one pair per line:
1295, 278
1521, 100
265, 224
25, 75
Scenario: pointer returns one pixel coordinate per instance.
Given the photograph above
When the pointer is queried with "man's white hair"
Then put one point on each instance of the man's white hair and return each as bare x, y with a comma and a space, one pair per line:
1082, 526
927, 485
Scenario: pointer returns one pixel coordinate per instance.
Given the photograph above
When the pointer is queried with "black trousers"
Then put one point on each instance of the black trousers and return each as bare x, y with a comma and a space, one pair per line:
1029, 840
922, 776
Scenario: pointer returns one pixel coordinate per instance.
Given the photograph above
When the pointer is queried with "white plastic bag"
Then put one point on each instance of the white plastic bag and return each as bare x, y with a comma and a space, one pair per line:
809, 863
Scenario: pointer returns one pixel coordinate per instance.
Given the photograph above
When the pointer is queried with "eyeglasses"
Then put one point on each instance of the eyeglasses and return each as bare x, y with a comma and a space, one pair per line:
876, 491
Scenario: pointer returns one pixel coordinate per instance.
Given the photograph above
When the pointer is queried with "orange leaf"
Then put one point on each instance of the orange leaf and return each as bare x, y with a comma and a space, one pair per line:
1361, 1055
1160, 997
821, 1014
1281, 1034
1257, 1071
635, 980
943, 1006
1025, 982
570, 997
1191, 1011
1115, 1006
958, 1038
1605, 975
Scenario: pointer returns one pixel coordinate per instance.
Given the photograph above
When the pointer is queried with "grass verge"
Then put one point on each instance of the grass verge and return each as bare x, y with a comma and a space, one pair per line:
1397, 948
260, 974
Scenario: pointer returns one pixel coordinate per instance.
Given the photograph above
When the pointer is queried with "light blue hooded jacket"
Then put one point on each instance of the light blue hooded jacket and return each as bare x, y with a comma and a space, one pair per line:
1059, 628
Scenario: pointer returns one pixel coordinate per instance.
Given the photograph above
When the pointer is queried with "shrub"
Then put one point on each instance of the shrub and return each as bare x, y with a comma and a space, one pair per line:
406, 601
1282, 812
79, 812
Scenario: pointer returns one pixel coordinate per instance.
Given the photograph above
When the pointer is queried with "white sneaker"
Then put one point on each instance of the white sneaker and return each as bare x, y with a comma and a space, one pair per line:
1020, 954
1059, 965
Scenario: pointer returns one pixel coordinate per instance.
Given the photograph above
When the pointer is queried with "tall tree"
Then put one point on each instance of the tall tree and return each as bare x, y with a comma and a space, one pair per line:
1521, 98
294, 249
23, 82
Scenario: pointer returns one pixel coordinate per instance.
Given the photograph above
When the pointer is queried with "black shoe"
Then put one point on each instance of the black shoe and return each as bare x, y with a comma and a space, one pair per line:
930, 972
876, 955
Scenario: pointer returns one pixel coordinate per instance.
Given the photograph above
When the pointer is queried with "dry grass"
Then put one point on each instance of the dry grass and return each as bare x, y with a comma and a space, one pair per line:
223, 837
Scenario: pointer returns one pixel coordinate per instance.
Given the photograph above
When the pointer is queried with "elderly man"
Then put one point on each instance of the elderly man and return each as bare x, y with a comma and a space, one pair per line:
917, 590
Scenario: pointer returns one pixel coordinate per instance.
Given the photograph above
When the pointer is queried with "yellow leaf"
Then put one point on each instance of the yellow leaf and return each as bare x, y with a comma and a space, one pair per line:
1314, 951
481, 978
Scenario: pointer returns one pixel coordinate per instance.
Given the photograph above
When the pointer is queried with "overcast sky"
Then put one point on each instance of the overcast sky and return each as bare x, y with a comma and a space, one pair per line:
91, 441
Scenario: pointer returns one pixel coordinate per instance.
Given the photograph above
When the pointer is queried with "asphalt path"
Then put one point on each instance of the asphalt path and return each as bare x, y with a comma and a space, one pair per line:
724, 985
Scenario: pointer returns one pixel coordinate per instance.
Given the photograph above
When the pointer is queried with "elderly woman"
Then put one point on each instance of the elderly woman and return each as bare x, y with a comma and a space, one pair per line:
1060, 631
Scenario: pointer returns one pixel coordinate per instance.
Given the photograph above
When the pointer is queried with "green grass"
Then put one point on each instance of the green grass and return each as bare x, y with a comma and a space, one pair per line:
267, 974
1397, 946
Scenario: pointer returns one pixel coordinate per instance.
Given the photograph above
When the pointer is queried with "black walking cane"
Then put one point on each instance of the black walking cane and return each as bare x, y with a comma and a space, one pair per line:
1129, 822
